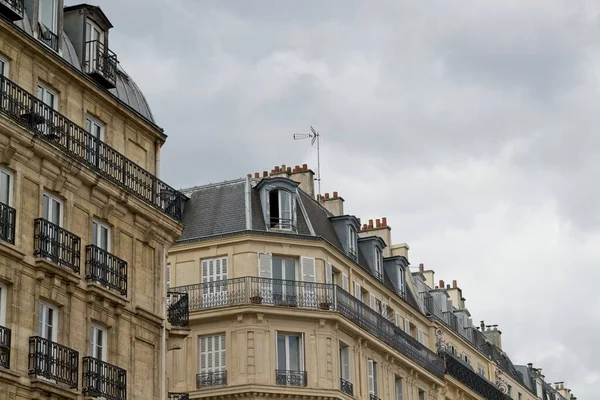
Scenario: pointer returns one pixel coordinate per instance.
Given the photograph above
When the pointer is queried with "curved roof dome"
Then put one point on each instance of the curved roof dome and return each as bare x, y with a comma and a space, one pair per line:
127, 91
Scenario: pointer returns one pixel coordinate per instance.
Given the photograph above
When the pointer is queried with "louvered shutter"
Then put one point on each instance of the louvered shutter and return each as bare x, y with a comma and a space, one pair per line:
307, 265
372, 302
398, 320
407, 326
345, 361
345, 282
265, 270
384, 309
223, 354
206, 289
328, 273
420, 336
371, 372
203, 355
210, 348
357, 292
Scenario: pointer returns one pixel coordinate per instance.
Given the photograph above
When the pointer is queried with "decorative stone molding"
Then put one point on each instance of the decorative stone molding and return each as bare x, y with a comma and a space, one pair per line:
8, 152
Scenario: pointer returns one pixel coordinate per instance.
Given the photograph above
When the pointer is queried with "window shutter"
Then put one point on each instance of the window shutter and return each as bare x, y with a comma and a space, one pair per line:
399, 389
224, 267
407, 326
223, 354
328, 273
384, 309
345, 282
265, 265
308, 269
203, 365
346, 363
210, 364
204, 271
398, 320
420, 336
371, 371
357, 292
372, 301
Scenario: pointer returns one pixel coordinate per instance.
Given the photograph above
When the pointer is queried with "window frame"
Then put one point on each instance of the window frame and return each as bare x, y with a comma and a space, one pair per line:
352, 241
399, 394
42, 306
6, 66
11, 177
345, 348
96, 225
45, 90
221, 338
378, 262
372, 365
3, 303
52, 198
95, 121
94, 329
301, 354
53, 28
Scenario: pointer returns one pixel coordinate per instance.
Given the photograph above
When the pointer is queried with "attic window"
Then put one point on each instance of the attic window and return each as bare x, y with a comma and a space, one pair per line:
352, 241
280, 210
378, 263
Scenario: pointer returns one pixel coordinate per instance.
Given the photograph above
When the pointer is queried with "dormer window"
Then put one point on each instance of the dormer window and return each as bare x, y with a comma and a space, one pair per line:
352, 241
48, 21
280, 210
378, 263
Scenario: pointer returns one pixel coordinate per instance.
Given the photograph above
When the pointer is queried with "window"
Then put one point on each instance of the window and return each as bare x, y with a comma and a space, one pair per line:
372, 371
101, 235
357, 291
4, 66
168, 276
421, 394
214, 271
48, 322
6, 187
420, 336
3, 303
345, 362
401, 289
352, 241
399, 388
48, 11
378, 263
399, 320
345, 282
480, 371
290, 352
52, 209
452, 349
213, 355
407, 327
98, 342
520, 396
96, 129
280, 209
47, 96
466, 358
509, 391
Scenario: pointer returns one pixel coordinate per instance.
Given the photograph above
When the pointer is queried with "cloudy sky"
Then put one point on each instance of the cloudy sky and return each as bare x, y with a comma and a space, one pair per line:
471, 125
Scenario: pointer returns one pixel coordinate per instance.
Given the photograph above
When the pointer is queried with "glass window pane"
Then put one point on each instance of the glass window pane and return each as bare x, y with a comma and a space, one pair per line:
95, 233
104, 232
281, 352
277, 268
294, 343
40, 93
55, 212
47, 13
4, 188
46, 207
2, 66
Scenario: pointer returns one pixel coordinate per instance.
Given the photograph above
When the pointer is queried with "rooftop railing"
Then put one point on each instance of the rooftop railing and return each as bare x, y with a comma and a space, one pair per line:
48, 124
101, 62
309, 295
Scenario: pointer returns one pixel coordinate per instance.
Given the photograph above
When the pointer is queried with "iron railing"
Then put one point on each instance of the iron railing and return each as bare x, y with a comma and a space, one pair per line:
346, 387
207, 379
106, 269
178, 311
472, 380
290, 378
373, 397
309, 295
7, 223
101, 379
178, 396
13, 9
378, 275
99, 59
55, 128
282, 223
5, 342
59, 245
53, 361
48, 37
451, 320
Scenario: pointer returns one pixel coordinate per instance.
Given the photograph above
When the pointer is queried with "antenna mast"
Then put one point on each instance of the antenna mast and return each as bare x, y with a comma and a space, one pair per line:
314, 135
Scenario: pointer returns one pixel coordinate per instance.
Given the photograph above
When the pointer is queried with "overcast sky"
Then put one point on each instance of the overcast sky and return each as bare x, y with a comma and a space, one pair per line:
470, 125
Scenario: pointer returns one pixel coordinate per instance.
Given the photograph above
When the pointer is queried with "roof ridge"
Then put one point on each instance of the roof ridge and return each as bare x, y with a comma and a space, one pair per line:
211, 185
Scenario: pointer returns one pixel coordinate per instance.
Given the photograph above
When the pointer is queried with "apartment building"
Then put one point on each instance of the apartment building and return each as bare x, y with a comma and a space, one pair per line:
85, 224
289, 296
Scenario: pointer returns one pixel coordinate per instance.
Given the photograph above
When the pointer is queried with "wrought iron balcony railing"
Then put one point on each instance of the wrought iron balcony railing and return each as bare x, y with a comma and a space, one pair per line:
101, 379
101, 63
106, 269
59, 245
346, 387
373, 397
12, 9
178, 396
178, 311
53, 361
53, 127
7, 223
207, 379
308, 295
472, 380
5, 342
46, 36
290, 378
378, 275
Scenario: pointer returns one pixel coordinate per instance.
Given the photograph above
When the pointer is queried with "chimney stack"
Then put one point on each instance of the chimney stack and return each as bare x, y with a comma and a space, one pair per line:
306, 178
379, 228
400, 250
333, 204
493, 335
455, 294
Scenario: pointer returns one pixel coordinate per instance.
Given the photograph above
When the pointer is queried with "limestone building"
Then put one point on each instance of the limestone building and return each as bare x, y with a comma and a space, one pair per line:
85, 223
291, 297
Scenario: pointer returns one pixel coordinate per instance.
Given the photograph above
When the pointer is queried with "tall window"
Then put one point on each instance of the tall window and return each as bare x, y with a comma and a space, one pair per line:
284, 269
48, 321
280, 209
52, 209
378, 263
101, 235
214, 273
401, 282
94, 38
98, 342
372, 374
5, 187
480, 371
168, 276
3, 66
96, 130
47, 96
3, 303
421, 394
290, 352
213, 355
352, 241
399, 388
48, 12
345, 362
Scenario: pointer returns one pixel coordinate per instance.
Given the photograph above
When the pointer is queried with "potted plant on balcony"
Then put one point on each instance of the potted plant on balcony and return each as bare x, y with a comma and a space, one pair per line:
256, 298
325, 305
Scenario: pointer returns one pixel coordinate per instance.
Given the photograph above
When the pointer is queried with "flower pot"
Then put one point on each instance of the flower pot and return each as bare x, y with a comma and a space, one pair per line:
324, 306
256, 299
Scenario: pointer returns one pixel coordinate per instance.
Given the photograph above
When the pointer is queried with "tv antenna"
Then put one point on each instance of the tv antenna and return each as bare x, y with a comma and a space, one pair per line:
314, 136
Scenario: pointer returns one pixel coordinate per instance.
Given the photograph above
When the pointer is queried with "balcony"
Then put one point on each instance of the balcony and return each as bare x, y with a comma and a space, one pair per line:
48, 37
315, 296
106, 269
12, 9
5, 342
378, 275
52, 361
7, 223
178, 396
45, 122
290, 378
208, 379
346, 387
101, 379
178, 311
472, 380
56, 244
100, 63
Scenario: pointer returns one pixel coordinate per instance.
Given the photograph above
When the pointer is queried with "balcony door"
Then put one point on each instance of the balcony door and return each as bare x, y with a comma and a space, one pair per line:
47, 329
51, 243
93, 146
214, 281
284, 281
290, 353
44, 115
101, 239
94, 38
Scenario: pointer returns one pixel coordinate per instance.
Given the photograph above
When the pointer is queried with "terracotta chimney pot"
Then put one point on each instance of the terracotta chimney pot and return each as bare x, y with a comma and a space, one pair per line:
384, 221
454, 284
442, 284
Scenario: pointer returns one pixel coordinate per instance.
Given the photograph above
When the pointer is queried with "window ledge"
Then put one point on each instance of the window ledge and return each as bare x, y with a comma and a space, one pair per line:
49, 267
158, 320
53, 388
97, 290
11, 250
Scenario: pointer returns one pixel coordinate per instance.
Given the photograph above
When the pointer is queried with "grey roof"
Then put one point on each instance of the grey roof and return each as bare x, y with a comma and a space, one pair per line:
126, 91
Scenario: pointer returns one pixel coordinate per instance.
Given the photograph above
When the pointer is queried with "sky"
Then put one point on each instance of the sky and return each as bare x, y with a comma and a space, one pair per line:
470, 125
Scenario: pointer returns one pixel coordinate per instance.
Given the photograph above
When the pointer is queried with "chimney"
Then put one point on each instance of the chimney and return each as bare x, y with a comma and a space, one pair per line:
306, 178
455, 294
429, 275
400, 250
381, 229
333, 204
494, 335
